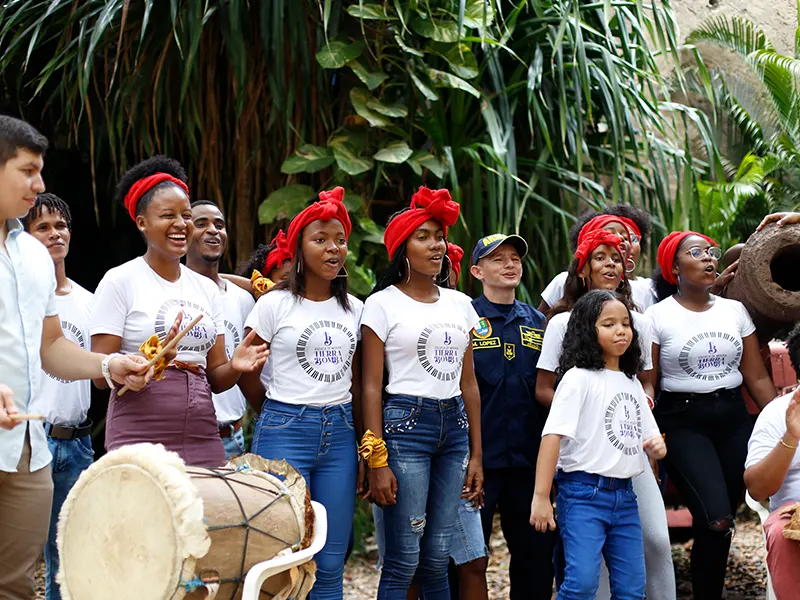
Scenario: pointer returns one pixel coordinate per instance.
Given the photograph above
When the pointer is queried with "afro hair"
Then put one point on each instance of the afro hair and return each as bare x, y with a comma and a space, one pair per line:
151, 166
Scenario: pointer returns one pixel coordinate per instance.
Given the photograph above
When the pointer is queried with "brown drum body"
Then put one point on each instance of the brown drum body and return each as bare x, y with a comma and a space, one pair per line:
140, 525
767, 281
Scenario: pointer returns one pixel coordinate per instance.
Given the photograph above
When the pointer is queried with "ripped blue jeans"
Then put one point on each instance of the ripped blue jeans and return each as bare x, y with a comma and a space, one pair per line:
428, 443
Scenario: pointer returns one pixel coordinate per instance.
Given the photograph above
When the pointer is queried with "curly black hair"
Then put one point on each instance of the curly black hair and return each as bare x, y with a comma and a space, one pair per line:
396, 271
793, 346
256, 261
575, 230
296, 281
641, 217
663, 288
574, 289
53, 203
581, 347
151, 166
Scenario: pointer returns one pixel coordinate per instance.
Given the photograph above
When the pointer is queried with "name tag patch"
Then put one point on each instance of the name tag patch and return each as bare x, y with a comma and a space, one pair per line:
531, 338
481, 344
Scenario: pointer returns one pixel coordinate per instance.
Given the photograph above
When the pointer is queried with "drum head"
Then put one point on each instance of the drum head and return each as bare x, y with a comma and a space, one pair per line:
114, 547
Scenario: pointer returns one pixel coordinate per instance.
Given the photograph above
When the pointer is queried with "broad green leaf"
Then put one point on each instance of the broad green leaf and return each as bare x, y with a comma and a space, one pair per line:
349, 161
396, 152
407, 48
369, 12
360, 97
423, 87
478, 14
420, 159
390, 110
448, 80
439, 30
308, 159
337, 54
461, 59
371, 80
285, 203
360, 278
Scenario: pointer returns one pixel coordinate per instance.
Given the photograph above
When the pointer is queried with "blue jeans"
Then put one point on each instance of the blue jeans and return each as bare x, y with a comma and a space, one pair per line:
234, 444
428, 443
320, 443
70, 459
598, 522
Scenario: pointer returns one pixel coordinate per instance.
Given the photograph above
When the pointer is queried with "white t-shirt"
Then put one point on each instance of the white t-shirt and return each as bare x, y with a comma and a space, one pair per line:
642, 292
603, 417
133, 302
424, 342
554, 333
236, 305
769, 428
311, 347
63, 402
700, 351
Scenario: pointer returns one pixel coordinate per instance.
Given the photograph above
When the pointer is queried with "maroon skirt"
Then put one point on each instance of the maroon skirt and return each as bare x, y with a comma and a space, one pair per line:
176, 411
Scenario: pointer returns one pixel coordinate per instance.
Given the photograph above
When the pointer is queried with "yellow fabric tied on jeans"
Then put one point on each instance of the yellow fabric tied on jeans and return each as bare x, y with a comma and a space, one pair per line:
150, 348
260, 284
373, 451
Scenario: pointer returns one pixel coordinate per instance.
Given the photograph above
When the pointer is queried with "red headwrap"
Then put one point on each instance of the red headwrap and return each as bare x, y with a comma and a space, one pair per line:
279, 254
455, 253
600, 221
426, 204
590, 242
144, 185
329, 207
667, 249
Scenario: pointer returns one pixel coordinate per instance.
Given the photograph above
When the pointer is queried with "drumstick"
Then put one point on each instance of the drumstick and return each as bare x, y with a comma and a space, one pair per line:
168, 347
26, 417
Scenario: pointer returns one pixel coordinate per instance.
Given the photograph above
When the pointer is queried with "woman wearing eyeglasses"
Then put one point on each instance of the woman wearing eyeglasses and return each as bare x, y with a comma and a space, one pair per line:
704, 348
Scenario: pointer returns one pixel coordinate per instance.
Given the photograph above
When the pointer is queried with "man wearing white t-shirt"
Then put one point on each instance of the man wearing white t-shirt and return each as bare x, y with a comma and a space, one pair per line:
64, 404
208, 244
772, 471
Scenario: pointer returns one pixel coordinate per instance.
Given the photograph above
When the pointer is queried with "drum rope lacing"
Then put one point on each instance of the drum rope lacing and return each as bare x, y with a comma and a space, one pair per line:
224, 474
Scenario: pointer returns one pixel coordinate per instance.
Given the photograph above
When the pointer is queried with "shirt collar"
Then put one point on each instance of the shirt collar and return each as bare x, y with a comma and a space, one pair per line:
488, 309
14, 227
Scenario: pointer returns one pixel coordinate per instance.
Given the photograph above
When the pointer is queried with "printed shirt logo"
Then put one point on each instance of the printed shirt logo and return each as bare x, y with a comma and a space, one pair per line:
509, 351
711, 356
325, 350
440, 350
73, 333
483, 330
531, 338
232, 338
200, 338
623, 424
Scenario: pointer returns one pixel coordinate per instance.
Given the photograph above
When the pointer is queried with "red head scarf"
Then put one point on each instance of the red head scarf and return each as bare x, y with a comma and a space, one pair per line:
669, 247
600, 221
591, 241
144, 185
279, 254
455, 253
426, 204
329, 207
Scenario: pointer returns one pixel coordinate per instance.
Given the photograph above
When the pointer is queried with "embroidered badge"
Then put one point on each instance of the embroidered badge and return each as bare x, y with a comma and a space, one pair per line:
509, 351
483, 330
481, 344
531, 338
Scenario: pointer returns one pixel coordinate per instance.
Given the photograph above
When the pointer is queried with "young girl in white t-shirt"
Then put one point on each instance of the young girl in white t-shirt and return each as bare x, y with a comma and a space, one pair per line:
155, 294
423, 443
598, 433
311, 412
704, 347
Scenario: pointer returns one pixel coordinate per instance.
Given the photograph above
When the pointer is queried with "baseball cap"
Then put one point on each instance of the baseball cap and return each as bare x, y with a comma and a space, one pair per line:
488, 244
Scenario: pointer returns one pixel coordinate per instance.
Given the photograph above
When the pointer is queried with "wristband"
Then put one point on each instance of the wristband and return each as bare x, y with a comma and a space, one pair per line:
787, 445
105, 371
650, 402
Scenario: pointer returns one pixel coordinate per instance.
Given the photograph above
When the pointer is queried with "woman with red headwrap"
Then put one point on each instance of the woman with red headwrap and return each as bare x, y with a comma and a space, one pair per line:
704, 347
134, 308
599, 264
423, 445
312, 410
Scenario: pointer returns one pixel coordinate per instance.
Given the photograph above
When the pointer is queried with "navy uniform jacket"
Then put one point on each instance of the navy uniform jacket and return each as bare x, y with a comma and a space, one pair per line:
506, 350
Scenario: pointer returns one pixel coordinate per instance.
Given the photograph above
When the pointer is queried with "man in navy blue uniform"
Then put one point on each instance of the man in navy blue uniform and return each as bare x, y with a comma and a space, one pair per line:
506, 346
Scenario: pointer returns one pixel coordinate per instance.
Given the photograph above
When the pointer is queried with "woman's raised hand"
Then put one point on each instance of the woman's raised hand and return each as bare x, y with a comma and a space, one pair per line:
383, 486
248, 357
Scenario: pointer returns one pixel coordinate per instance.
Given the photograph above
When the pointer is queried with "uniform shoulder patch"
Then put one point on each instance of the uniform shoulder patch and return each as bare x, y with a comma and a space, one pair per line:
483, 329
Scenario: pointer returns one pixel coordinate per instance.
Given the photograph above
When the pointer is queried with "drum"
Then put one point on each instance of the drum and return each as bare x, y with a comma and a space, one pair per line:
141, 525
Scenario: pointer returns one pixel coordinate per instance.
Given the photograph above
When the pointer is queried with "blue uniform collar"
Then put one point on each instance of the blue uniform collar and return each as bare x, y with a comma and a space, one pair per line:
488, 310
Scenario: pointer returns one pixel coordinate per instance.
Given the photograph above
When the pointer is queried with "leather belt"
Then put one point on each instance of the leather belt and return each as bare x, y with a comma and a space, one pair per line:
230, 428
58, 432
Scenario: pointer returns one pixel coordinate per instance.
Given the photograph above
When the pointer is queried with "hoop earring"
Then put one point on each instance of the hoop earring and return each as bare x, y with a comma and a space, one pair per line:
633, 268
342, 273
449, 264
408, 270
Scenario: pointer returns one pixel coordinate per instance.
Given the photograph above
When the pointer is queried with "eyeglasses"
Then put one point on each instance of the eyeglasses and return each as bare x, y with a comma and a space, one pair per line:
698, 253
634, 238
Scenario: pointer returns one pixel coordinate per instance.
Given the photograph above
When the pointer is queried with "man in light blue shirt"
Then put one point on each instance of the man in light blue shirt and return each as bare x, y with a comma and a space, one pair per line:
31, 339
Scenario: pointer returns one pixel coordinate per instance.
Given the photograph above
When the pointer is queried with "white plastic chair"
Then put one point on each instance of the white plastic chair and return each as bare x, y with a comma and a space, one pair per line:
762, 510
262, 571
